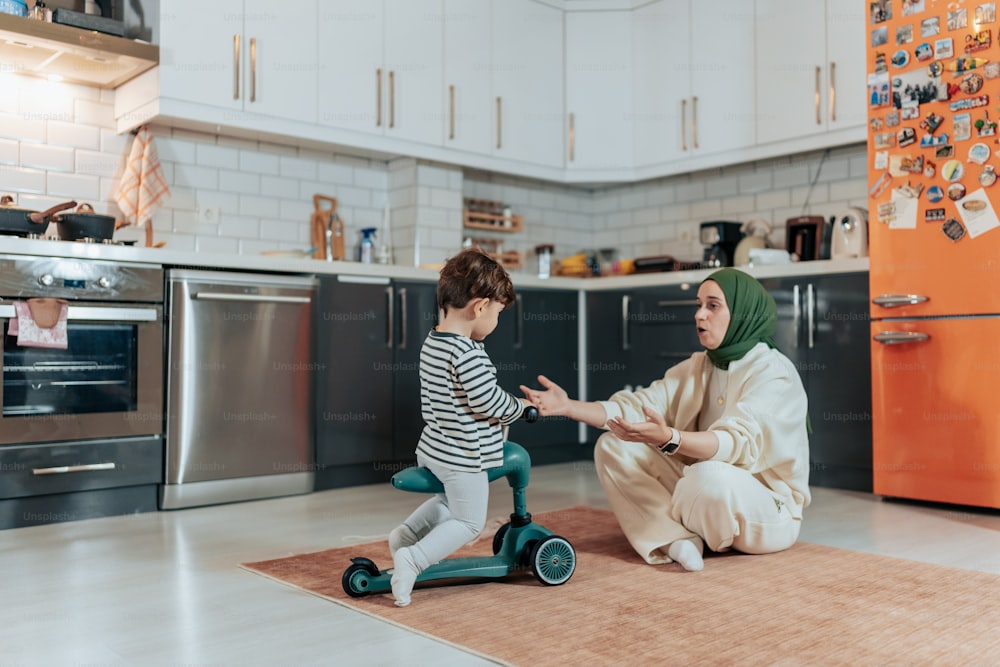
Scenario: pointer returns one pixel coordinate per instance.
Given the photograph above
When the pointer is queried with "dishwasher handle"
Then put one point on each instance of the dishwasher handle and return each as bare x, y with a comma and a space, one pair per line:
253, 298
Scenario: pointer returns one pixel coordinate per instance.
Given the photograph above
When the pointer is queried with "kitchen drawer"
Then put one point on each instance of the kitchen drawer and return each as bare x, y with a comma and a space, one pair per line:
56, 468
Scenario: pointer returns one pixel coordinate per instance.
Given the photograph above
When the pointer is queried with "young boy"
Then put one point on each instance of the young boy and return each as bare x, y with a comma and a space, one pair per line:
465, 412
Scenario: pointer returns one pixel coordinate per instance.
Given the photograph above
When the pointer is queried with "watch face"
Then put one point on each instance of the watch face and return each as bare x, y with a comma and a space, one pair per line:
670, 447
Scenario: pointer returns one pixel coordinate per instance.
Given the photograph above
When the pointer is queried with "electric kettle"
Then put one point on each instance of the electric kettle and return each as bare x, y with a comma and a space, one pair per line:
850, 234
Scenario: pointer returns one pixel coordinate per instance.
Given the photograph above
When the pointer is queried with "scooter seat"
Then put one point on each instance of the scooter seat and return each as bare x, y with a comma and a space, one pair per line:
516, 463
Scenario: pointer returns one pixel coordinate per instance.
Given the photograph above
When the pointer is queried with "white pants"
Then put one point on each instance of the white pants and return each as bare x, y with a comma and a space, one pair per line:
658, 500
450, 520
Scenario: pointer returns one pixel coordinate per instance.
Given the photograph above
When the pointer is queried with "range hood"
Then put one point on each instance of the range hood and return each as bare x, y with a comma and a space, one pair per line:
63, 53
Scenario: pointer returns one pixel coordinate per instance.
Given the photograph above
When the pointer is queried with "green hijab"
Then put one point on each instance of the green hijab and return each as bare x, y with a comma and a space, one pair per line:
753, 316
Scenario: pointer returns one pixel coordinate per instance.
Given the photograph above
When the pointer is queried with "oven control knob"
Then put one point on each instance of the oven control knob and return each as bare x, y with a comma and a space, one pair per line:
103, 282
46, 280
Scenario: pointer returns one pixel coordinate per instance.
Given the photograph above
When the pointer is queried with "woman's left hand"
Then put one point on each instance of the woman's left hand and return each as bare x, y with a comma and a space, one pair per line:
653, 432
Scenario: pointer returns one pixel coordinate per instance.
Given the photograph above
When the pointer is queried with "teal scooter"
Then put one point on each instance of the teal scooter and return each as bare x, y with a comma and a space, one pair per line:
517, 545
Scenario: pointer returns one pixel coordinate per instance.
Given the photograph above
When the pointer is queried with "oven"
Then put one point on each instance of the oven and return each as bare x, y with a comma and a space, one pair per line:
86, 418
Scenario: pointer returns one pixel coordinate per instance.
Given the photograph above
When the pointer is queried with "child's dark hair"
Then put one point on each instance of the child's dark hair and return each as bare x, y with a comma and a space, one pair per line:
472, 274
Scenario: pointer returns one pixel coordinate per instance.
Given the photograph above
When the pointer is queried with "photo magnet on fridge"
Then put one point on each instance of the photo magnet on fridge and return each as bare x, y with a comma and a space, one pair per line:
958, 19
943, 48
904, 34
915, 88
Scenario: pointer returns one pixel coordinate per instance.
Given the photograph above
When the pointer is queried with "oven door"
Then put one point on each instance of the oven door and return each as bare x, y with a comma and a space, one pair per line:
108, 381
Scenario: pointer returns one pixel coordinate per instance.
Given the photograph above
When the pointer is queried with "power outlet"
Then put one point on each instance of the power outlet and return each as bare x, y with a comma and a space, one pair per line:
208, 215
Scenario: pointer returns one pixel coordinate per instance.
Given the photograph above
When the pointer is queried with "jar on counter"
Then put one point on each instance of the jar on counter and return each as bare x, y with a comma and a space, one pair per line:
544, 254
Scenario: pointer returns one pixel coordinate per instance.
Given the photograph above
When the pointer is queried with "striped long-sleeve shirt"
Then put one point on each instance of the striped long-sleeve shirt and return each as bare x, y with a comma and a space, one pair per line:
464, 408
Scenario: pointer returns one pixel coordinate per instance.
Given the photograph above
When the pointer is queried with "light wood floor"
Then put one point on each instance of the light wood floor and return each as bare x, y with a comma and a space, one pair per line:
164, 588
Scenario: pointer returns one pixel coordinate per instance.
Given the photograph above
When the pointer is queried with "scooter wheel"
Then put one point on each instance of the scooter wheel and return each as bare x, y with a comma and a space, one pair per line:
498, 537
553, 560
356, 580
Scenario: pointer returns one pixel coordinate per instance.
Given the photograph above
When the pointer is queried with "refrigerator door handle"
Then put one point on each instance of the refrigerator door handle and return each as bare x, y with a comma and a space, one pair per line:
895, 300
899, 337
811, 313
796, 314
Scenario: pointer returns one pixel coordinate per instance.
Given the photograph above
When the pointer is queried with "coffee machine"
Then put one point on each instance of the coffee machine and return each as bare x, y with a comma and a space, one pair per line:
720, 239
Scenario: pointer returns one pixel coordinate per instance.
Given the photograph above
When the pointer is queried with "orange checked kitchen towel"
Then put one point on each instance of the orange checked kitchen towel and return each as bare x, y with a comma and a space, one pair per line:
143, 187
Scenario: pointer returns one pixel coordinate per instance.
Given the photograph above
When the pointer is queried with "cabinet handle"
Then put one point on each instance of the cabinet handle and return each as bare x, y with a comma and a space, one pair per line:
253, 69
677, 304
833, 91
896, 300
392, 98
519, 314
626, 306
819, 120
402, 318
572, 136
378, 97
451, 112
236, 67
499, 124
694, 121
810, 313
684, 130
390, 298
252, 298
60, 470
898, 337
796, 314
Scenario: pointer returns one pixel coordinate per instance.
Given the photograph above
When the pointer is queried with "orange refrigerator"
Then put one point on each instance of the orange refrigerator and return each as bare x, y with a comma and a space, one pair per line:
933, 71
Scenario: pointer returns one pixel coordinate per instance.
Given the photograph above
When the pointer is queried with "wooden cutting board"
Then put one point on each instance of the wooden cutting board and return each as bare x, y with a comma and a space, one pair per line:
325, 217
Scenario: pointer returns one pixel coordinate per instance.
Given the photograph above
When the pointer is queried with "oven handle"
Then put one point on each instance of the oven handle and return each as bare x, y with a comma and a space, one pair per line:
256, 298
57, 470
98, 314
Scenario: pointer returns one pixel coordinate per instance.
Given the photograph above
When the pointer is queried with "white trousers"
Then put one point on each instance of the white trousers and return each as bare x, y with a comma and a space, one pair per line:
449, 520
658, 500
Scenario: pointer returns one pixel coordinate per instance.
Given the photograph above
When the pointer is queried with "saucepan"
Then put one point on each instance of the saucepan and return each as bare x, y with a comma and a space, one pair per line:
22, 222
84, 224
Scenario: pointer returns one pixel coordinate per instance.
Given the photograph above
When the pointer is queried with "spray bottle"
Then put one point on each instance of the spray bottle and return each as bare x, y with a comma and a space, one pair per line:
366, 250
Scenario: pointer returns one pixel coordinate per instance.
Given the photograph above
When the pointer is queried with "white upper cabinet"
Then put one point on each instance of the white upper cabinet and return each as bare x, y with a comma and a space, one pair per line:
527, 67
599, 90
810, 82
694, 80
239, 55
380, 67
468, 100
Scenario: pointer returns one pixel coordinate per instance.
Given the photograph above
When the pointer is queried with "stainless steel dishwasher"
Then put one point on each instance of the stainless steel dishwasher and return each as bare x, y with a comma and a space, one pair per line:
239, 422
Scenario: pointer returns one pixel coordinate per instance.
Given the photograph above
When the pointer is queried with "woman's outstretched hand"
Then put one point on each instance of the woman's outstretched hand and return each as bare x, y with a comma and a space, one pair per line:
653, 432
552, 401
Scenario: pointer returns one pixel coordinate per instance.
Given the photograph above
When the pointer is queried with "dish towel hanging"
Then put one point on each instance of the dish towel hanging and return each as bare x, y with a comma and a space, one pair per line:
143, 188
40, 323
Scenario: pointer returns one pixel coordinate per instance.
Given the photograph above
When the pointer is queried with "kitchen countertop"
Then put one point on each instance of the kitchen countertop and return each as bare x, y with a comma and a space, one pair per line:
299, 265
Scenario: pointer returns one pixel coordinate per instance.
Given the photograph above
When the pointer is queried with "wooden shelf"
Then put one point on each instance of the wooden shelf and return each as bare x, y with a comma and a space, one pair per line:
509, 259
492, 222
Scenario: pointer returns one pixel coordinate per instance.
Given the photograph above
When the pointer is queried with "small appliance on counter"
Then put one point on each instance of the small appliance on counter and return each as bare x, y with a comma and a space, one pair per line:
849, 238
808, 237
720, 239
755, 236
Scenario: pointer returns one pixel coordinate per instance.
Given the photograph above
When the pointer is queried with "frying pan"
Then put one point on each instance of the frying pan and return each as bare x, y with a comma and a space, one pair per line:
83, 224
22, 222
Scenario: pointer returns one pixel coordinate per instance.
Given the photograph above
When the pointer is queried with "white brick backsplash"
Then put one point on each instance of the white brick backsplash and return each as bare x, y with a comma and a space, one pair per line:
8, 151
752, 183
676, 213
87, 112
433, 177
239, 226
186, 222
374, 179
723, 186
98, 164
19, 179
262, 163
261, 207
332, 173
691, 192
818, 194
175, 149
773, 199
294, 167
282, 231
646, 216
217, 156
74, 134
195, 176
210, 244
834, 169
39, 104
633, 200
47, 157
279, 187
226, 202
74, 186
235, 181
705, 209
291, 209
661, 194
735, 206
15, 126
852, 189
446, 199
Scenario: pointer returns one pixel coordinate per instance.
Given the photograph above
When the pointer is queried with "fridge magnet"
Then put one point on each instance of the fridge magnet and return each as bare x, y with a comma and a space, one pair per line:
906, 136
910, 110
952, 170
935, 69
880, 11
923, 52
886, 212
914, 87
935, 194
953, 229
988, 177
905, 211
930, 27
943, 48
880, 36
971, 83
880, 185
985, 13
984, 126
978, 42
904, 34
977, 213
964, 64
879, 90
991, 70
876, 124
979, 153
942, 152
929, 168
956, 191
962, 125
880, 66
934, 215
932, 122
885, 140
912, 7
900, 58
970, 103
930, 141
910, 190
881, 160
901, 165
958, 19
892, 119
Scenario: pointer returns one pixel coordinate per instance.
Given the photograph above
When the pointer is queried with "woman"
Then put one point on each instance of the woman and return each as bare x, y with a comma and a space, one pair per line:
716, 453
